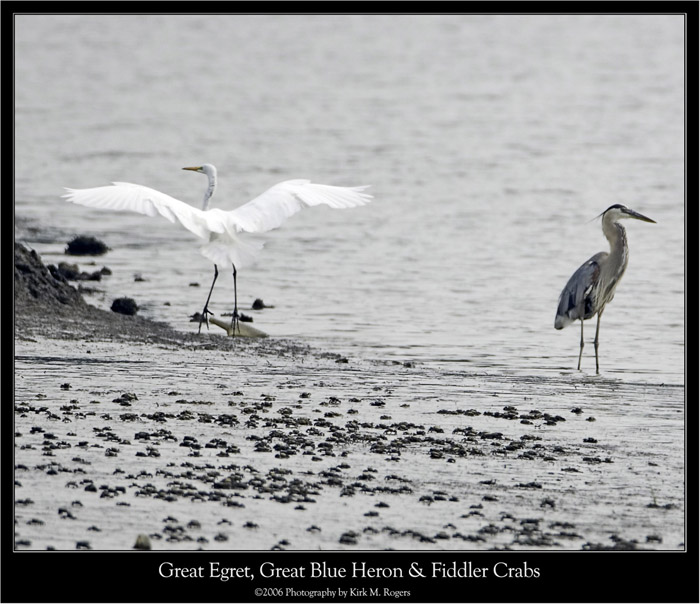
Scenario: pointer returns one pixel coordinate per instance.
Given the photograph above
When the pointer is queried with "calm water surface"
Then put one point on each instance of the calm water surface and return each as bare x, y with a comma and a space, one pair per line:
490, 143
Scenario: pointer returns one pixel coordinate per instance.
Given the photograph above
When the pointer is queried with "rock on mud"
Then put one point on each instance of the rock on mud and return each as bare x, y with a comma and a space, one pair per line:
71, 272
258, 304
83, 245
124, 306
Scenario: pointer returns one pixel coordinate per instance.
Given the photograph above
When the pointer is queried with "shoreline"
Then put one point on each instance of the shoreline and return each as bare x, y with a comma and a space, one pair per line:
52, 309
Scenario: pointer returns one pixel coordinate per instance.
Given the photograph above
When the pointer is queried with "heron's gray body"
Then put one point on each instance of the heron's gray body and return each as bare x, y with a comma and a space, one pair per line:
593, 285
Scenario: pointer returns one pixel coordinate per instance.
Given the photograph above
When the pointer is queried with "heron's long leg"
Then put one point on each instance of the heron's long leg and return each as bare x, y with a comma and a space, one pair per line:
580, 352
206, 310
234, 319
595, 342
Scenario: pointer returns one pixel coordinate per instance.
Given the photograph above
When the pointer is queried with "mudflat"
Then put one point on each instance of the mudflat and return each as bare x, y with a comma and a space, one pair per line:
126, 429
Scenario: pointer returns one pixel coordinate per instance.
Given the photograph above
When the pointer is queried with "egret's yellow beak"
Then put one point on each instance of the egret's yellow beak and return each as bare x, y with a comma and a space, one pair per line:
194, 168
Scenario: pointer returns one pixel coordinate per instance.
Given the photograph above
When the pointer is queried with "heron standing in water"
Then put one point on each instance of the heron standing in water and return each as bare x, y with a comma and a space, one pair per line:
219, 230
593, 285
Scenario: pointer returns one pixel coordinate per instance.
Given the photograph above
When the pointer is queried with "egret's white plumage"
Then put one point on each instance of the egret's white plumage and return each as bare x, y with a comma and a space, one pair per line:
220, 230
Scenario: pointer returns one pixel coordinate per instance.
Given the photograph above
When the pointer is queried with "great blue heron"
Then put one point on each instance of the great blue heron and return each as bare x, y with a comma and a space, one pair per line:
219, 230
593, 285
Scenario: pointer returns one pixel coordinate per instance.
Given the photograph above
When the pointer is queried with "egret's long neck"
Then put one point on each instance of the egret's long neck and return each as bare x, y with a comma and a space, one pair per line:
210, 191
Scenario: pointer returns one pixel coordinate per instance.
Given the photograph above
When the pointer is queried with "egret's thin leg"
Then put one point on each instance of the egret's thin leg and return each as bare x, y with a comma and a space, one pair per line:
580, 352
595, 343
206, 311
234, 318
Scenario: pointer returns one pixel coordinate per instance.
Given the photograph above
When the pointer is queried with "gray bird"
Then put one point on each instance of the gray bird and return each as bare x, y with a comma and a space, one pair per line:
593, 285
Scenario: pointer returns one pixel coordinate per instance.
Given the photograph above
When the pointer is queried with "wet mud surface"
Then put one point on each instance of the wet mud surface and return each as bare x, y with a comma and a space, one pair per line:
125, 428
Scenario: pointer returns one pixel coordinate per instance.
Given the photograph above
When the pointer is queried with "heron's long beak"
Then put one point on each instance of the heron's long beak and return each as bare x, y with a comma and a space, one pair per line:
638, 216
194, 168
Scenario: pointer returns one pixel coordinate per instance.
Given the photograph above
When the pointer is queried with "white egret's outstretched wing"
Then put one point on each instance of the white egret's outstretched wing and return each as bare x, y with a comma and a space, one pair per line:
269, 210
144, 200
220, 228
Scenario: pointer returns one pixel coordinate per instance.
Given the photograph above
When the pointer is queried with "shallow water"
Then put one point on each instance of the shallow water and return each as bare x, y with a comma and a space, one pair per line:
490, 143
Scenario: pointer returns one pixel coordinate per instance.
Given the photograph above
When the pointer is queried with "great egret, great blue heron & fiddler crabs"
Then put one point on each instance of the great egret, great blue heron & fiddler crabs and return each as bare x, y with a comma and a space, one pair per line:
219, 230
593, 285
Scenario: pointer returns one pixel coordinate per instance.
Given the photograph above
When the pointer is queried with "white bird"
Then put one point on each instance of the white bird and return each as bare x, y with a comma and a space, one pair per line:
593, 285
218, 230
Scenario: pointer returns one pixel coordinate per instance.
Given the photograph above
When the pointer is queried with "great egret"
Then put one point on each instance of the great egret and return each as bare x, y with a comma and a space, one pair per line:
593, 285
220, 230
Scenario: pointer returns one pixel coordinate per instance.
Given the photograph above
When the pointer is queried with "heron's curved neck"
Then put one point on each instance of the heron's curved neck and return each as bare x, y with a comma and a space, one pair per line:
615, 234
210, 191
619, 251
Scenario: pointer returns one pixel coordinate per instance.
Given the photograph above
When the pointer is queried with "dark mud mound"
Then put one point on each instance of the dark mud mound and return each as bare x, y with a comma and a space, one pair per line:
47, 305
35, 285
